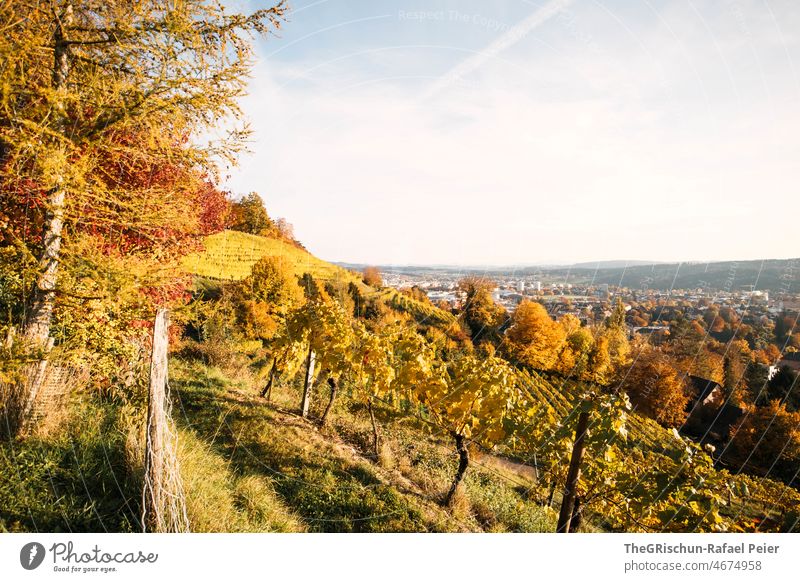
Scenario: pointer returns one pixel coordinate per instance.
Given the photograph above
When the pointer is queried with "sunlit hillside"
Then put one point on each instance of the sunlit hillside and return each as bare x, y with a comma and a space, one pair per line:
230, 255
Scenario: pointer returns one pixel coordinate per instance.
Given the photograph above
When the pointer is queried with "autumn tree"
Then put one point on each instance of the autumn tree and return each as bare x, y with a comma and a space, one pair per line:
483, 317
687, 339
573, 357
319, 337
249, 215
615, 332
533, 339
768, 355
736, 359
107, 70
785, 326
617, 317
655, 387
691, 350
375, 373
470, 399
286, 230
266, 296
372, 277
584, 354
767, 441
93, 89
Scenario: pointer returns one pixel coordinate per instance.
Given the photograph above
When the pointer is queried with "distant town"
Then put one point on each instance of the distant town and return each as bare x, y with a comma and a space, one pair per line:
649, 310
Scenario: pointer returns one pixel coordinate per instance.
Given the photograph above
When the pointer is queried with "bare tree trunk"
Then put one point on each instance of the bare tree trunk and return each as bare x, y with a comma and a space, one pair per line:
267, 391
309, 384
37, 325
376, 440
573, 475
334, 387
36, 331
463, 464
35, 379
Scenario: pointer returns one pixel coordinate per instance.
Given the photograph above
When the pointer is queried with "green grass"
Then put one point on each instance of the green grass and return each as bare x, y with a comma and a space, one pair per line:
327, 477
88, 479
218, 499
76, 481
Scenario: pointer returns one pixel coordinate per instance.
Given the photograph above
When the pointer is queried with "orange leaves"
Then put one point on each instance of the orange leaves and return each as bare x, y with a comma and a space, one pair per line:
533, 339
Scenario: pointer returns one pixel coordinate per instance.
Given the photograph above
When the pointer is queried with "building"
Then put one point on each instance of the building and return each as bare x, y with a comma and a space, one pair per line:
790, 360
710, 418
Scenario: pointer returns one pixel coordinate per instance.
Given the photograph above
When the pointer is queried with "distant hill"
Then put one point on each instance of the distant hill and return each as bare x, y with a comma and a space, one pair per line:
769, 275
776, 275
612, 264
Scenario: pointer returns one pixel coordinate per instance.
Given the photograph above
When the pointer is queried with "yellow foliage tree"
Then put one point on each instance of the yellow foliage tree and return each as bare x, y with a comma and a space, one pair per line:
533, 339
655, 388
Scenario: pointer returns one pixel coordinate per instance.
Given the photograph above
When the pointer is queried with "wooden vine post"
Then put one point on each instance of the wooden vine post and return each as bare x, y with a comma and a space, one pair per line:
311, 360
164, 505
565, 517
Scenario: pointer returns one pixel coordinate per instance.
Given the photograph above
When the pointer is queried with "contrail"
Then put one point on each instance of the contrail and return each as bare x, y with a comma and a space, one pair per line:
513, 36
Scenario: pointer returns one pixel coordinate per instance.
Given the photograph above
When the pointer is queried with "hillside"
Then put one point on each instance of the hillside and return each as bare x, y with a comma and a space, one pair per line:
770, 275
230, 255
250, 464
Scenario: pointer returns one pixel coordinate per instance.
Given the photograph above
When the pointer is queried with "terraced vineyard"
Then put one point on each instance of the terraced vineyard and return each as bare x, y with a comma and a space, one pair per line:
421, 311
643, 432
230, 255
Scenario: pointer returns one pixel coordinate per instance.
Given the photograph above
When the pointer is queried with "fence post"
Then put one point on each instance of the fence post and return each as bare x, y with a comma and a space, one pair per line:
309, 384
164, 505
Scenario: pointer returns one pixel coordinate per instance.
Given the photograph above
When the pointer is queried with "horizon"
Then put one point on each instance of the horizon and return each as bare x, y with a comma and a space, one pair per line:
522, 133
585, 264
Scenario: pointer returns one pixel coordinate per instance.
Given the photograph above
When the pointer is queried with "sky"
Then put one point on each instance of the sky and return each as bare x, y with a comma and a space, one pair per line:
517, 132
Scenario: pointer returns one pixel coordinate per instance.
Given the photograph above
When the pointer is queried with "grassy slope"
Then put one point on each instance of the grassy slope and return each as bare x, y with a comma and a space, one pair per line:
328, 480
250, 466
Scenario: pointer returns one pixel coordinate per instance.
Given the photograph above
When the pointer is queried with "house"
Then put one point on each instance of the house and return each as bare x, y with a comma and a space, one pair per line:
703, 391
710, 418
657, 333
791, 360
